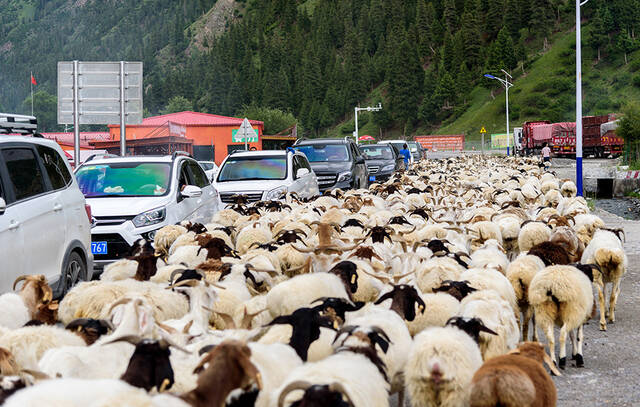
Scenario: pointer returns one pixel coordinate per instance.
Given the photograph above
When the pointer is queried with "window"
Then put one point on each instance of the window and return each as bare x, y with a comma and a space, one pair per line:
296, 165
324, 152
124, 179
253, 168
55, 167
305, 163
197, 175
204, 153
24, 172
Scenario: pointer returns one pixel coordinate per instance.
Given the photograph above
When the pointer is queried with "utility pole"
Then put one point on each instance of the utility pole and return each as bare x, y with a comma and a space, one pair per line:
505, 82
579, 99
368, 109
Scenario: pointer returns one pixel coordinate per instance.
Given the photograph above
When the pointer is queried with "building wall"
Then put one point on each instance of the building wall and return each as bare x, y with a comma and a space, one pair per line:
220, 136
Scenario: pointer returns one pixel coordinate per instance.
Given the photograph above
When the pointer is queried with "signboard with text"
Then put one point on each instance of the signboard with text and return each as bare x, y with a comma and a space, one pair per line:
452, 142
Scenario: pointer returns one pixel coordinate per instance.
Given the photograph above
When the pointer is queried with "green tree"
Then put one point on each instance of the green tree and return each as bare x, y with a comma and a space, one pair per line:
450, 16
504, 43
405, 82
472, 35
177, 104
629, 130
445, 93
275, 120
626, 44
494, 17
45, 107
425, 17
598, 35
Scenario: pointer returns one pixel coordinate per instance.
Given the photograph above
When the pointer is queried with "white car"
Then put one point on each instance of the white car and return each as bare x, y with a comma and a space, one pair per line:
265, 175
44, 220
210, 168
133, 197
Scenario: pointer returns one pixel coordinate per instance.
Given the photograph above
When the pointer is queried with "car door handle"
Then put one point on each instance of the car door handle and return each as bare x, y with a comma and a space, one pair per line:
57, 207
13, 225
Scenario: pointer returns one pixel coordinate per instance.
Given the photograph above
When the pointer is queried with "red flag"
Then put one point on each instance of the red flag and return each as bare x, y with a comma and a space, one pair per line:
33, 80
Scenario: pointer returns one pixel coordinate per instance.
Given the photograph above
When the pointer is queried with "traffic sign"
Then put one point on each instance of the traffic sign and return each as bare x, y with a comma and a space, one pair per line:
483, 130
245, 133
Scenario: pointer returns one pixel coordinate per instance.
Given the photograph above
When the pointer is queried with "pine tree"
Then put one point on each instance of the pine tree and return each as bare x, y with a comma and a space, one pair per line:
495, 15
423, 26
405, 82
472, 34
464, 83
504, 44
449, 16
598, 37
445, 92
512, 18
626, 44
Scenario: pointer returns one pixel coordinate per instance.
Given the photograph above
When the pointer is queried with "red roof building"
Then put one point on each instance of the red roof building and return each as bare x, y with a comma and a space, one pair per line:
213, 136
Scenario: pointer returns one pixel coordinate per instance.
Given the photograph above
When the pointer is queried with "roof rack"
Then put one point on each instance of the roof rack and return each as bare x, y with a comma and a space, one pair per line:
16, 123
101, 155
181, 153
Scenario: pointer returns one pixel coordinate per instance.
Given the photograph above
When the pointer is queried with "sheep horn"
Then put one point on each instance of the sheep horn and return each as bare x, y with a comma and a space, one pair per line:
228, 319
119, 302
173, 274
166, 342
293, 386
167, 328
336, 386
552, 366
18, 280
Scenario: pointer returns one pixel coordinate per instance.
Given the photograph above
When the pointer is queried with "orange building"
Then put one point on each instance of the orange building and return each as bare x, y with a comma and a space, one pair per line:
213, 136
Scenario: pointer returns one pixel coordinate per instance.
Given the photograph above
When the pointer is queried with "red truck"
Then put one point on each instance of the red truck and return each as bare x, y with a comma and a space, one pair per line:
534, 134
598, 138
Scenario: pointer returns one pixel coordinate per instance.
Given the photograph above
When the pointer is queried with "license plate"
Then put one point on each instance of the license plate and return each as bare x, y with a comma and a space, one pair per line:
372, 178
99, 247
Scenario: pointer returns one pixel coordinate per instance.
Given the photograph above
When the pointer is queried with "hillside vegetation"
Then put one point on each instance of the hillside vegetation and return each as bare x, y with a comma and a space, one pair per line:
317, 59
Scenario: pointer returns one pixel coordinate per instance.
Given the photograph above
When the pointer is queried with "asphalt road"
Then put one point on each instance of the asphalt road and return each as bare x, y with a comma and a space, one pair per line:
611, 376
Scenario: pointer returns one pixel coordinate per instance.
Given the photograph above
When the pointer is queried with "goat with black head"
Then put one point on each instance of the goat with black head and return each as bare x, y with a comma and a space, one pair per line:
472, 326
457, 289
149, 365
306, 324
403, 301
317, 395
90, 329
337, 307
346, 270
217, 248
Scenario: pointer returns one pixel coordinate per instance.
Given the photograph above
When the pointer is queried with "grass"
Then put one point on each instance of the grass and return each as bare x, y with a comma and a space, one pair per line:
591, 203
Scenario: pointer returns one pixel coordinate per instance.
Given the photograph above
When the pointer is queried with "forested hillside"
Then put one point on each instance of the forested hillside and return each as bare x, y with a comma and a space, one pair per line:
317, 59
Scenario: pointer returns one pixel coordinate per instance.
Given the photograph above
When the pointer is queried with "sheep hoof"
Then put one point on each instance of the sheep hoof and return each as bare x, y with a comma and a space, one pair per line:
603, 327
579, 360
562, 363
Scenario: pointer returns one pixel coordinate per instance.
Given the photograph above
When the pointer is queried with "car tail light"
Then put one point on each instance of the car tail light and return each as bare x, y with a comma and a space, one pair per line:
87, 208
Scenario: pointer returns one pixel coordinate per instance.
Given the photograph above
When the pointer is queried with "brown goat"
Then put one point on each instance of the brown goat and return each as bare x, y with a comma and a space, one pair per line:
515, 380
229, 367
8, 365
552, 253
47, 313
568, 238
34, 292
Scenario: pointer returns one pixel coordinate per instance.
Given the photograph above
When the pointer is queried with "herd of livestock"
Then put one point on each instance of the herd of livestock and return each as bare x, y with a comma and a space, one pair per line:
427, 286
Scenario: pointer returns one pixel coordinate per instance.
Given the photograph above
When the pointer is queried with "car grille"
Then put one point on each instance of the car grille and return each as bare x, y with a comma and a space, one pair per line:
117, 247
373, 168
226, 197
326, 180
111, 220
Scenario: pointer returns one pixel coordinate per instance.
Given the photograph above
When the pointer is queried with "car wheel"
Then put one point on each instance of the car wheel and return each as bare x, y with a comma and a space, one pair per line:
73, 270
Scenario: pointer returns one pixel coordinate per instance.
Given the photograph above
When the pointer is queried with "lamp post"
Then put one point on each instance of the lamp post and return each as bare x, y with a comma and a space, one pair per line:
579, 99
505, 82
368, 109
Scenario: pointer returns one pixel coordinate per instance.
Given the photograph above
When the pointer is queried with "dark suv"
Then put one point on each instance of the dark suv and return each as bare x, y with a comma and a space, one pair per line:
336, 162
382, 161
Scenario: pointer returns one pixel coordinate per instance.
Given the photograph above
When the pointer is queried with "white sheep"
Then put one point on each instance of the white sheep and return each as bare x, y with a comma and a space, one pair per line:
520, 273
561, 295
606, 251
440, 366
531, 234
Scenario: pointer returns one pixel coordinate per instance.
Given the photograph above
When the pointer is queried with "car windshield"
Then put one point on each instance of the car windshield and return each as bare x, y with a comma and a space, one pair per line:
399, 146
324, 152
253, 168
124, 179
377, 152
206, 166
413, 146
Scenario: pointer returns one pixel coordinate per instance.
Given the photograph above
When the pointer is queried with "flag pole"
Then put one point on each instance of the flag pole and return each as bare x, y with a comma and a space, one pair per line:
31, 82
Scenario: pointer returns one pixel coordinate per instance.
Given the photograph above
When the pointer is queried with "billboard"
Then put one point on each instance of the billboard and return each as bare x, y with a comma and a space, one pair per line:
451, 142
500, 141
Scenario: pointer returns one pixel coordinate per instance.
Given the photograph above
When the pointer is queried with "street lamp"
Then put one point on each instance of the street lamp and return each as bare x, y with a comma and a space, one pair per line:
368, 109
579, 99
505, 82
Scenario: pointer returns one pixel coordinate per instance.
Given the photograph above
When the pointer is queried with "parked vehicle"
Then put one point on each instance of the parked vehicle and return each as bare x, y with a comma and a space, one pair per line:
210, 168
45, 223
398, 144
337, 163
598, 137
416, 150
382, 161
265, 175
133, 197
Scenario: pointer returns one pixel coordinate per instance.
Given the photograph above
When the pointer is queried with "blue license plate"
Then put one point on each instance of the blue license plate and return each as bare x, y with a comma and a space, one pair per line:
99, 247
372, 178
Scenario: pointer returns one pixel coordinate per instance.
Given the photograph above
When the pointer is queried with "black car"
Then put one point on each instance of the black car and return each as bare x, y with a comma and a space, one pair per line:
337, 163
382, 161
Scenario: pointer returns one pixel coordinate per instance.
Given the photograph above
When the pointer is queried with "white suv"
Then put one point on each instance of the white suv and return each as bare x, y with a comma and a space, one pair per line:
44, 221
133, 197
265, 175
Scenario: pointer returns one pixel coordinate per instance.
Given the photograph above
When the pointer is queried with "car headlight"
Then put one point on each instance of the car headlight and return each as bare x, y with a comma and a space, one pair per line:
389, 167
150, 217
275, 194
344, 177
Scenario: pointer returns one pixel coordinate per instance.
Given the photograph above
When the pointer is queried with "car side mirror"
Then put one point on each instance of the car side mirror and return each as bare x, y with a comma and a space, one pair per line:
302, 172
3, 206
191, 191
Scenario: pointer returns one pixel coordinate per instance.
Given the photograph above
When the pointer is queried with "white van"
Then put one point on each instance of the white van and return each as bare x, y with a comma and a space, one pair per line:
44, 220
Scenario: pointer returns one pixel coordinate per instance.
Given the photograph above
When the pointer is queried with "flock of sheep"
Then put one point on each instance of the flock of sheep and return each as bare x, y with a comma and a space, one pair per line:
428, 285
